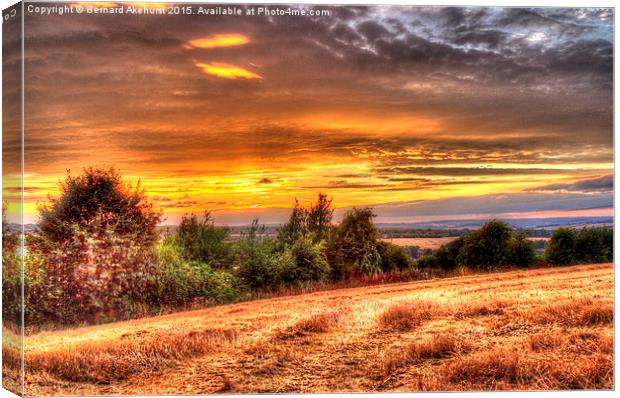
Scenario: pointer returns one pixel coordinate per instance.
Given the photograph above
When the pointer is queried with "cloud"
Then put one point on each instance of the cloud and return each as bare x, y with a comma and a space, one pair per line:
227, 71
220, 40
590, 185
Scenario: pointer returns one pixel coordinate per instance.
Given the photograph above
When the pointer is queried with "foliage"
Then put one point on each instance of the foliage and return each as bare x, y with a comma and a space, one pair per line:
314, 222
309, 263
320, 217
296, 227
11, 274
588, 245
100, 193
353, 246
202, 241
393, 257
494, 244
561, 247
94, 274
522, 251
594, 245
486, 247
177, 282
257, 259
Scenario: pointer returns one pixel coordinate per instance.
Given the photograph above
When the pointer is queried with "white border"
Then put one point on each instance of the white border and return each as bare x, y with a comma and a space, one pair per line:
541, 3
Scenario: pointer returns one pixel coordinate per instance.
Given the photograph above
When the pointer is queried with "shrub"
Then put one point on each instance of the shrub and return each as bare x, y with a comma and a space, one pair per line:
447, 256
176, 282
560, 249
94, 274
258, 261
309, 263
393, 257
202, 241
218, 286
594, 245
521, 250
493, 245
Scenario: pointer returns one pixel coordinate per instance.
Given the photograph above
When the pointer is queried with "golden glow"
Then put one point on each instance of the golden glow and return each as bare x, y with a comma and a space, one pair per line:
227, 71
220, 40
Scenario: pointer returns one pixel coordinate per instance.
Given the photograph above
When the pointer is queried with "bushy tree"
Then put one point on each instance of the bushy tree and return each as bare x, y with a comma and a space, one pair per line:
353, 247
587, 245
393, 257
99, 193
202, 241
96, 242
486, 247
522, 250
560, 249
95, 274
310, 263
257, 259
594, 245
494, 244
447, 256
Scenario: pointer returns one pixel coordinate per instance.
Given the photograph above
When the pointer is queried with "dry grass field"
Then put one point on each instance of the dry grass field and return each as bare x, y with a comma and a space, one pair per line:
526, 330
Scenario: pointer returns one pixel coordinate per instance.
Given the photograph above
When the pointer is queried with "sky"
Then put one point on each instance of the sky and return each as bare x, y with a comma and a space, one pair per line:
418, 112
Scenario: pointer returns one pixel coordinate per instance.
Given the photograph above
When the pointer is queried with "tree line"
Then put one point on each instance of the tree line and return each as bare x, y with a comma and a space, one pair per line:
97, 255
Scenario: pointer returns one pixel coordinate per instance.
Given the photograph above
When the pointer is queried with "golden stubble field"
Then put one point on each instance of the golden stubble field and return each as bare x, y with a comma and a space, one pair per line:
527, 330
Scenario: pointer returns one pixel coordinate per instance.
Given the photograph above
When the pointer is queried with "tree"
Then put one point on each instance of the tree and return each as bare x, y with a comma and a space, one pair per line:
353, 245
593, 245
99, 193
296, 227
320, 217
96, 242
522, 250
202, 241
560, 249
486, 247
310, 262
393, 257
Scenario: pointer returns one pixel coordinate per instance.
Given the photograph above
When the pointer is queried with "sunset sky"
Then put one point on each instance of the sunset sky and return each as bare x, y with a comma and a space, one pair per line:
420, 112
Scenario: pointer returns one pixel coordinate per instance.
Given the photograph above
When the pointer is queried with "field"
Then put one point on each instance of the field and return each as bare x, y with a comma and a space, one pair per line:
433, 243
538, 329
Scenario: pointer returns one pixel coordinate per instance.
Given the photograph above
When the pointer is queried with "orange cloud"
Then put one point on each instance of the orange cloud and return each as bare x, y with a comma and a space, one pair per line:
227, 71
220, 40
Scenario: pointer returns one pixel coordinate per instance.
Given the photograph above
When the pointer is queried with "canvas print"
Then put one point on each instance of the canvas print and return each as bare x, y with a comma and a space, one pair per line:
246, 198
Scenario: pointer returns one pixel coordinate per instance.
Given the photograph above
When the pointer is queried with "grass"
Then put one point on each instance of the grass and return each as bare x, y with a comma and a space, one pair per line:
132, 354
437, 347
521, 330
406, 316
319, 323
579, 312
